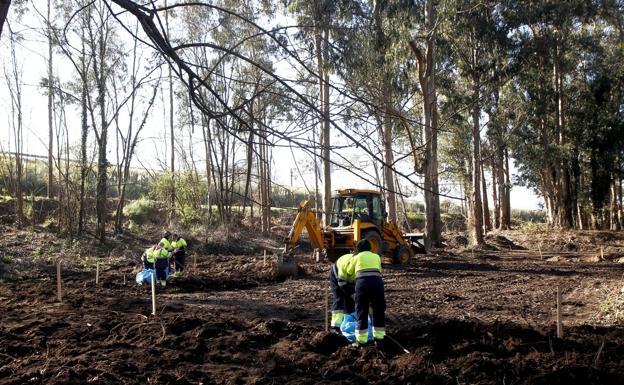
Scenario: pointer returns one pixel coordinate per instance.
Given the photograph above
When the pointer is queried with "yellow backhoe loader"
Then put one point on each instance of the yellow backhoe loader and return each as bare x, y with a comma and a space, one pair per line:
355, 214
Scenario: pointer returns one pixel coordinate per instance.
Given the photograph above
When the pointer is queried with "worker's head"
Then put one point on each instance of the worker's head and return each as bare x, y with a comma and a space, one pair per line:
363, 245
174, 237
167, 234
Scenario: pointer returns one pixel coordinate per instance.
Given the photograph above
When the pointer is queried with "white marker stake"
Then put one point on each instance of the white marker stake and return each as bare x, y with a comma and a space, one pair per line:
124, 279
58, 281
97, 273
264, 260
153, 295
539, 246
601, 254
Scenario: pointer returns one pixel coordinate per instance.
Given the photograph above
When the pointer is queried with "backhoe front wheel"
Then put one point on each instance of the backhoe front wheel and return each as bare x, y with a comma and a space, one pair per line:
402, 255
375, 240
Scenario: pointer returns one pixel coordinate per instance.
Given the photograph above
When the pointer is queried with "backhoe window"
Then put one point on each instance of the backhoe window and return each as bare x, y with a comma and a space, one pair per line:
377, 216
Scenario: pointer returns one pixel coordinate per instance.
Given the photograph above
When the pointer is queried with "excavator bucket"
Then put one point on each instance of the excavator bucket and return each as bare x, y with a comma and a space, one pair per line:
287, 265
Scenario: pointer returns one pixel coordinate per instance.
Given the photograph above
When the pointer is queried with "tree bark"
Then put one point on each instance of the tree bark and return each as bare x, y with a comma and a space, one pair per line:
50, 184
476, 230
102, 172
495, 201
326, 130
487, 223
426, 76
4, 11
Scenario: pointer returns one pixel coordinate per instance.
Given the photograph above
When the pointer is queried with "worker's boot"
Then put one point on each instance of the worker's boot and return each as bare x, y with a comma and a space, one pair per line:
335, 329
358, 344
163, 283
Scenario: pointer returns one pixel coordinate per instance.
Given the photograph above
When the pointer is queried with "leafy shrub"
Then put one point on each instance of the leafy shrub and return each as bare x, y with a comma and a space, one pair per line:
141, 210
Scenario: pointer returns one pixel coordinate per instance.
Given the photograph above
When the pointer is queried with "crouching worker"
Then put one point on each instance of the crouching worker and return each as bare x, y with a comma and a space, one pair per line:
342, 288
369, 291
149, 257
179, 253
161, 264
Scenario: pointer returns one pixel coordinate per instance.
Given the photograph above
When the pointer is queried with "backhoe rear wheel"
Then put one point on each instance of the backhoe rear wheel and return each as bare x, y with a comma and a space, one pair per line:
402, 255
375, 239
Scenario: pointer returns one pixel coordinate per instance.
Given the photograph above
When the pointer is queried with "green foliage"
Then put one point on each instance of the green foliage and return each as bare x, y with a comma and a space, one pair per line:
190, 196
141, 211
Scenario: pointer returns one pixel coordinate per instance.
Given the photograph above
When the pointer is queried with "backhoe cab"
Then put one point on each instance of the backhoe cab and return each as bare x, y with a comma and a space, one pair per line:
356, 214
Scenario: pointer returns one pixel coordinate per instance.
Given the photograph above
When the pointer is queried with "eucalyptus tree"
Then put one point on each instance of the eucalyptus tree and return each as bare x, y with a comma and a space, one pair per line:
473, 29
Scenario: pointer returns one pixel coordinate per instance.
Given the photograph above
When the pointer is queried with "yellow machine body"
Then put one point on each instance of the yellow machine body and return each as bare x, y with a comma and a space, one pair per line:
356, 214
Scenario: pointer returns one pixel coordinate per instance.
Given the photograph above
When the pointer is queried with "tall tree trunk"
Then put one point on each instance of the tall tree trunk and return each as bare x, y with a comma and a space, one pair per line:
389, 162
487, 223
83, 143
50, 184
495, 201
506, 201
205, 127
102, 177
171, 131
326, 130
426, 76
476, 230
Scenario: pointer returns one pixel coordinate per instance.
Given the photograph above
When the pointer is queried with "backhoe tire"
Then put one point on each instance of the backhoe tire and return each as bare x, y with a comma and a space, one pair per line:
403, 255
375, 239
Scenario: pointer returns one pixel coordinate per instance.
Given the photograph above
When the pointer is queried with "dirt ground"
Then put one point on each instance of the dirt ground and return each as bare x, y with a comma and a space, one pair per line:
463, 316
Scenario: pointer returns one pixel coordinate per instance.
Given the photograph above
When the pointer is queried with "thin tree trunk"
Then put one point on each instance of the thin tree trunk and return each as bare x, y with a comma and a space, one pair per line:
476, 230
50, 186
326, 130
494, 195
83, 144
486, 209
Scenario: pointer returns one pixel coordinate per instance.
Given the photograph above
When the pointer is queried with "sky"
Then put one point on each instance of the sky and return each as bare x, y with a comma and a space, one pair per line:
152, 151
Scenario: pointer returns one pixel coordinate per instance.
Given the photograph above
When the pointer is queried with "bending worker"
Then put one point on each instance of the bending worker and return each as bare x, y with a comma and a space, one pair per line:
149, 257
342, 287
179, 253
369, 291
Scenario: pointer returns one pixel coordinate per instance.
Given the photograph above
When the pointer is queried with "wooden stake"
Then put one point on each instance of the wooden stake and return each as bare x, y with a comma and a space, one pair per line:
539, 247
124, 279
601, 254
97, 273
59, 292
559, 324
326, 307
153, 295
264, 260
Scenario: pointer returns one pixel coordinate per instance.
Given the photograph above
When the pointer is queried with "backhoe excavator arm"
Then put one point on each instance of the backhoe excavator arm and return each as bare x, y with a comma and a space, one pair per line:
305, 219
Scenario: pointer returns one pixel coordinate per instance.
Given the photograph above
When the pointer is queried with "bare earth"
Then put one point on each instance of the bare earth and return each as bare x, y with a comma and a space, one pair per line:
466, 317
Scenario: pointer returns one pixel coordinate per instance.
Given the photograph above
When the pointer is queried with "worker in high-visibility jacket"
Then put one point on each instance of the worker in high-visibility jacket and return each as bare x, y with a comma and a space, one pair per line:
342, 287
179, 253
369, 291
166, 241
161, 264
149, 257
